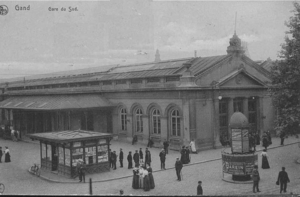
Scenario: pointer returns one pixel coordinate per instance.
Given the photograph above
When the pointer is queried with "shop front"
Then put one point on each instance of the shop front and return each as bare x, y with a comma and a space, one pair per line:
61, 151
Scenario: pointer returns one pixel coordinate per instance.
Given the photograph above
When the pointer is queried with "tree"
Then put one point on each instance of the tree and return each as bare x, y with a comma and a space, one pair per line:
285, 76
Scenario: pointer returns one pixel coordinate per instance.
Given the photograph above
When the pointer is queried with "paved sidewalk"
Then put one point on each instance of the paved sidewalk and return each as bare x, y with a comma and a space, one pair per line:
120, 173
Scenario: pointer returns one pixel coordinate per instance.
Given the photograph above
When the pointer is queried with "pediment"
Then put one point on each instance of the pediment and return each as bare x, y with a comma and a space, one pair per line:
240, 79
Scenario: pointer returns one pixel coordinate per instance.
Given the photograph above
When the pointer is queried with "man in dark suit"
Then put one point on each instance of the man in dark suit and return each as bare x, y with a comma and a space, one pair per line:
255, 178
129, 159
121, 158
282, 136
178, 167
283, 179
141, 155
136, 158
114, 160
162, 156
147, 157
199, 189
166, 146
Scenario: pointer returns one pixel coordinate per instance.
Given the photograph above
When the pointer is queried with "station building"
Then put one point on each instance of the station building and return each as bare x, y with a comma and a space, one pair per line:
179, 100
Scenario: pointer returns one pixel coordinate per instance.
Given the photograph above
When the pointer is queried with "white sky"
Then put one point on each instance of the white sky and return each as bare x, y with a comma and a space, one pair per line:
111, 32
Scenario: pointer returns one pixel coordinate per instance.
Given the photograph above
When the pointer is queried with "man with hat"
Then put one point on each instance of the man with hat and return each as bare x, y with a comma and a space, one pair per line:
178, 167
199, 189
162, 156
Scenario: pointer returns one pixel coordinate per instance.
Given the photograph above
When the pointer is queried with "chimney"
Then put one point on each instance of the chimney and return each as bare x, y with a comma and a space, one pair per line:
157, 56
187, 79
195, 53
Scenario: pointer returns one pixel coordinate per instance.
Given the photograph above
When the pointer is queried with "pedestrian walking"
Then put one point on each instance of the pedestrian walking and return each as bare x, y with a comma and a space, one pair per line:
136, 158
148, 157
265, 162
7, 155
282, 137
129, 159
199, 188
151, 178
178, 167
183, 155
121, 155
114, 160
1, 153
283, 179
134, 139
141, 155
150, 143
162, 156
255, 178
166, 146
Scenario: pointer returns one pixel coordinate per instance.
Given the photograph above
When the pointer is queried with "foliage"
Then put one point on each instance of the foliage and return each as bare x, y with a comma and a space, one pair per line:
285, 76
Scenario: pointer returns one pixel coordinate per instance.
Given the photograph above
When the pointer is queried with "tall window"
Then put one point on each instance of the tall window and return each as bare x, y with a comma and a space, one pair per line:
223, 113
252, 110
175, 123
156, 121
238, 105
124, 119
139, 120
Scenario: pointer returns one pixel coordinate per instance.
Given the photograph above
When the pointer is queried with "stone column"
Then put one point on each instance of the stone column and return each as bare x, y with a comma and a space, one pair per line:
186, 122
230, 108
216, 124
260, 110
192, 106
245, 107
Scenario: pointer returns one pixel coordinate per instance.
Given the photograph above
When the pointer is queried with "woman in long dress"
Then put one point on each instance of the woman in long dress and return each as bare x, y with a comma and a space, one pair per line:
187, 155
193, 147
7, 155
183, 155
146, 180
265, 162
135, 180
151, 178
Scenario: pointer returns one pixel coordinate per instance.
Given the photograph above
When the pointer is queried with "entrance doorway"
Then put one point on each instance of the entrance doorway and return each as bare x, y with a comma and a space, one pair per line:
54, 158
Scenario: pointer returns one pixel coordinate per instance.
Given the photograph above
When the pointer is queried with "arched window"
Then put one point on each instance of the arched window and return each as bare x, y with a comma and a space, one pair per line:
155, 116
123, 119
175, 123
139, 120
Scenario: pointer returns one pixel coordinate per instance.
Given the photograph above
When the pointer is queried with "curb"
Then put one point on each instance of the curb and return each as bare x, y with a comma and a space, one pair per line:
128, 176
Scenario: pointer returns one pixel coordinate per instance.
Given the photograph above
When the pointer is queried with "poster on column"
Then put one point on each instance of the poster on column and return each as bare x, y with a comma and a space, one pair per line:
236, 140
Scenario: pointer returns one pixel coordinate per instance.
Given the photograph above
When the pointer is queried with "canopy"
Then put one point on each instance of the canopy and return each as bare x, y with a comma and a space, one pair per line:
55, 102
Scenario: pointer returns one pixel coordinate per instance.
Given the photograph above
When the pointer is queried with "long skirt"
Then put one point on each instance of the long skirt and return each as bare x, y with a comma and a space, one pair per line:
135, 181
152, 184
7, 157
141, 182
146, 183
265, 163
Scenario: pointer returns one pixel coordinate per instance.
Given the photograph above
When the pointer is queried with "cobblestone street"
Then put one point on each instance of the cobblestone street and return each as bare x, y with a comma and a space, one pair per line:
23, 154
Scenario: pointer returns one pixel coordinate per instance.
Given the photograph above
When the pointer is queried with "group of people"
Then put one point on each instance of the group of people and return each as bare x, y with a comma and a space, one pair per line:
282, 179
143, 178
8, 132
6, 155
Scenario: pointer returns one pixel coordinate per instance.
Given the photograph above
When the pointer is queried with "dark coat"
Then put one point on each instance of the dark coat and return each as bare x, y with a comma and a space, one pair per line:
265, 142
141, 154
136, 157
199, 190
148, 157
178, 165
113, 157
283, 177
255, 175
121, 155
166, 144
129, 158
162, 156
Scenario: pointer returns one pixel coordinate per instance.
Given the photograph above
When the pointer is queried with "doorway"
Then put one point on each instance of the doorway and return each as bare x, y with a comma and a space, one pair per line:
54, 158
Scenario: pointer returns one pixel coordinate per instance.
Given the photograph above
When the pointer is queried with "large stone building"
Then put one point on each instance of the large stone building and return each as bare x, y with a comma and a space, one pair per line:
178, 100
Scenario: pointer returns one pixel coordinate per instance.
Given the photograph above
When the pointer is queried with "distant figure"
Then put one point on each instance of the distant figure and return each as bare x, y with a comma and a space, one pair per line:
82, 173
121, 192
136, 158
134, 139
109, 158
121, 156
150, 143
283, 179
141, 155
265, 141
269, 137
178, 167
166, 146
148, 157
183, 155
115, 156
193, 147
129, 159
7, 155
135, 178
199, 189
265, 162
257, 138
255, 178
151, 178
282, 136
13, 135
162, 156
187, 155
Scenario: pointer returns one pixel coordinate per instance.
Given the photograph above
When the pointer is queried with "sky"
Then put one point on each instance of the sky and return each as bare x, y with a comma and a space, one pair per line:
96, 33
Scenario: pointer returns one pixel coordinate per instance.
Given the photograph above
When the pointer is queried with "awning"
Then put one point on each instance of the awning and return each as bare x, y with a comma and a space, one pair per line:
55, 102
